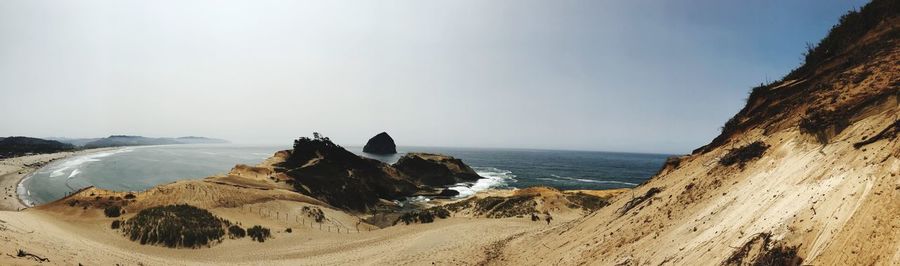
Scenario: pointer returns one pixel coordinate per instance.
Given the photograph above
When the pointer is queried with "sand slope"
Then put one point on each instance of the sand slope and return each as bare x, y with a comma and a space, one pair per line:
835, 203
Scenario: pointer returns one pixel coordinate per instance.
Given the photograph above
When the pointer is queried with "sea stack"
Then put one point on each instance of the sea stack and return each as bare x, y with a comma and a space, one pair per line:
381, 144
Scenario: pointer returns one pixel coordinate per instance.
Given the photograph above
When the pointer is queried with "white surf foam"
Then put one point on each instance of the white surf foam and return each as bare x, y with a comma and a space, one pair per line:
24, 194
593, 181
74, 173
61, 168
75, 162
493, 178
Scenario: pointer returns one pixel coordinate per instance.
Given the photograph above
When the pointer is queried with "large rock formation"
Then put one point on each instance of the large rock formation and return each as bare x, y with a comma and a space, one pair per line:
435, 169
321, 169
381, 144
806, 172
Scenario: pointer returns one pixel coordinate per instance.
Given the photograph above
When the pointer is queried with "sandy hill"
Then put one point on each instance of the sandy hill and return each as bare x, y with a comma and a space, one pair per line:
808, 171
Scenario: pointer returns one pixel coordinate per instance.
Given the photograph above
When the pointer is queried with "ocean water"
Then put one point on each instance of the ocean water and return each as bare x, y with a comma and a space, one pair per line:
140, 168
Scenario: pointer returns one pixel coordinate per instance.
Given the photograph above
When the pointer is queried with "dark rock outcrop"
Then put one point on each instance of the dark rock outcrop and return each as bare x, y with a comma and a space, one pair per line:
448, 193
381, 144
435, 169
330, 173
321, 169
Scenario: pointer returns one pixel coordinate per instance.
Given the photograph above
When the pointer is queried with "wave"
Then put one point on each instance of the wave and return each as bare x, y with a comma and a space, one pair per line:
61, 168
75, 162
74, 173
583, 180
24, 194
493, 178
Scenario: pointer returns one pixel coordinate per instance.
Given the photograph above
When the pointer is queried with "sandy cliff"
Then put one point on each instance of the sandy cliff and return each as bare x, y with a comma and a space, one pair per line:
808, 171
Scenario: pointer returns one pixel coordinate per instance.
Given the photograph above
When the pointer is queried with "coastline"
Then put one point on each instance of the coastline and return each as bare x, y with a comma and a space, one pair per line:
14, 170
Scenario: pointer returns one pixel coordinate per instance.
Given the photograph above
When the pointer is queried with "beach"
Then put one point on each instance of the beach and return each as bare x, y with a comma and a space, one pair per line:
13, 170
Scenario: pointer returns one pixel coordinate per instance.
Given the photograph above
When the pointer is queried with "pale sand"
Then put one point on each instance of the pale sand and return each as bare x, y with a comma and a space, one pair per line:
68, 241
12, 170
71, 235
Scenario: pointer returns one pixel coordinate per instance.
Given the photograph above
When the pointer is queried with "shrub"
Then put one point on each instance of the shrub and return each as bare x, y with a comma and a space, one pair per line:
423, 216
315, 213
761, 249
259, 233
744, 154
289, 230
586, 202
175, 226
113, 211
504, 207
235, 231
129, 196
115, 224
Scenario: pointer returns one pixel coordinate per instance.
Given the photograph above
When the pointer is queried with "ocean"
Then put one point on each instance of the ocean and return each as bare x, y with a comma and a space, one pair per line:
140, 168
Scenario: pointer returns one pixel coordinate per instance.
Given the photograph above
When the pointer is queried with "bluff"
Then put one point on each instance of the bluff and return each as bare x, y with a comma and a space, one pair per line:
381, 144
807, 172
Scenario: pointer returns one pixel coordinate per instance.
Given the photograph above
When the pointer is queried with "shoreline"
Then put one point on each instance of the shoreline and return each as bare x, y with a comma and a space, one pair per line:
14, 170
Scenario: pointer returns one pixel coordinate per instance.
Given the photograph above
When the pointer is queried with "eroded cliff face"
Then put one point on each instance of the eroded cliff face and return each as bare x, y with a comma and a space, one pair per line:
808, 171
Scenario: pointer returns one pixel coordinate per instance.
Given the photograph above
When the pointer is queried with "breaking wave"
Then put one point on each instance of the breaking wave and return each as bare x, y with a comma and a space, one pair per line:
68, 166
493, 178
583, 180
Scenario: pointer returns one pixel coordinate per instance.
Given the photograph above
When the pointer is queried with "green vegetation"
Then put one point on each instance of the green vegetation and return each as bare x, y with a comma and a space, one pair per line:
851, 27
235, 232
423, 216
315, 213
112, 211
115, 224
20, 146
586, 202
259, 233
496, 207
175, 226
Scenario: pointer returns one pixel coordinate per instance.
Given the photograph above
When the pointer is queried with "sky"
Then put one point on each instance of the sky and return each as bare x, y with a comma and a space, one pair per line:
631, 76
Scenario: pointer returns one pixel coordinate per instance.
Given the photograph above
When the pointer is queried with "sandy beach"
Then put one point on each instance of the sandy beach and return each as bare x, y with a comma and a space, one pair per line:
12, 170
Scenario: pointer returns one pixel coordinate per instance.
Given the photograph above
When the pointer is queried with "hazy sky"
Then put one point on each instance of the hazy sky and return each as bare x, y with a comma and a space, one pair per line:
639, 76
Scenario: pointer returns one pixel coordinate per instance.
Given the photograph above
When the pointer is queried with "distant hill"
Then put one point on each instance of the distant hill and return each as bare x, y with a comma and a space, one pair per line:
76, 142
124, 140
19, 146
199, 140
